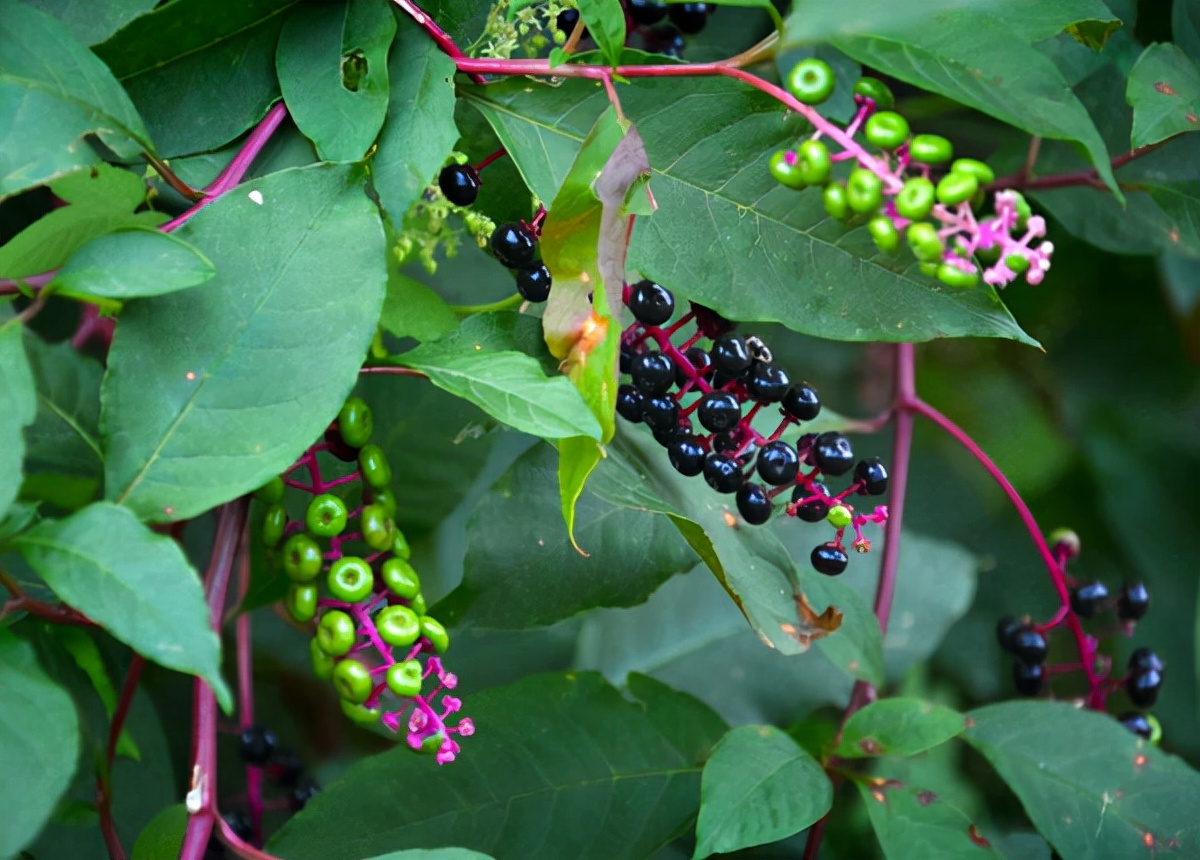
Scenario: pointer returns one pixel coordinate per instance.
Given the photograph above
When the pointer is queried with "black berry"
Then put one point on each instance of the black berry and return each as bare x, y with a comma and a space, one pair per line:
459, 184
832, 453
686, 454
1144, 658
533, 282
667, 434
1028, 677
514, 245
256, 744
629, 403
653, 373
1134, 601
689, 17
814, 510
651, 303
566, 21
1028, 645
241, 824
1006, 629
767, 383
873, 475
753, 503
627, 355
778, 463
727, 443
646, 12
699, 361
285, 766
829, 559
302, 794
337, 446
661, 413
730, 355
1137, 723
1088, 598
1143, 687
719, 411
801, 402
723, 474
666, 41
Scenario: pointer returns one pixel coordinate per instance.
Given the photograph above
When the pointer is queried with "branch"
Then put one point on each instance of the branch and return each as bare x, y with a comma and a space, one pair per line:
1089, 177
108, 827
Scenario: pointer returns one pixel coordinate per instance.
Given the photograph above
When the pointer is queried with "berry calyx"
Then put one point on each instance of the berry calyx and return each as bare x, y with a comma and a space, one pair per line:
829, 559
886, 129
651, 303
534, 282
778, 463
459, 184
256, 744
326, 515
801, 402
350, 579
833, 454
1134, 601
723, 474
1088, 598
753, 503
810, 81
514, 245
873, 475
1028, 677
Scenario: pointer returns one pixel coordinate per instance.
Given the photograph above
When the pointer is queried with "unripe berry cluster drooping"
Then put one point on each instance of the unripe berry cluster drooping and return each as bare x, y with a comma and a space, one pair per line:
905, 190
1029, 644
374, 639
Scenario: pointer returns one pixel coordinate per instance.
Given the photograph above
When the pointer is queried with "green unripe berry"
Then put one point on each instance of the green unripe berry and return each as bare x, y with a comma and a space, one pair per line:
915, 199
953, 276
929, 268
352, 680
955, 188
350, 579
376, 527
810, 81
813, 162
398, 575
374, 465
326, 515
302, 559
433, 630
359, 714
1017, 263
418, 605
398, 626
1156, 731
1023, 210
355, 422
301, 602
875, 90
785, 170
322, 663
885, 234
839, 516
271, 493
337, 633
385, 498
274, 524
864, 190
886, 129
982, 173
400, 547
835, 201
405, 679
930, 149
925, 243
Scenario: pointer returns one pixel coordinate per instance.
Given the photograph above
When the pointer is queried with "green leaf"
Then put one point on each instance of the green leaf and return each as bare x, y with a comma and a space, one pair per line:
419, 132
1091, 787
332, 63
86, 654
413, 310
92, 22
18, 405
474, 362
163, 836
605, 21
916, 824
53, 92
101, 199
432, 854
900, 727
39, 740
135, 584
1185, 27
1164, 92
518, 518
201, 72
760, 252
566, 767
211, 392
132, 263
759, 786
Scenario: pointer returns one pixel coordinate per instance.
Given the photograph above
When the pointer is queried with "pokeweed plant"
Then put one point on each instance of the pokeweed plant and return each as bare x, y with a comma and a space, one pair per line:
297, 482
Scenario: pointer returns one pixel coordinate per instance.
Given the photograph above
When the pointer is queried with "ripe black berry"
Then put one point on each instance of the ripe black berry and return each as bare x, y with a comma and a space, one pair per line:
1087, 599
699, 361
1134, 601
514, 245
1137, 723
730, 442
686, 454
719, 411
1143, 687
1006, 629
1028, 677
533, 282
666, 41
873, 475
1144, 658
816, 509
666, 435
801, 402
566, 21
459, 184
241, 824
646, 12
627, 355
653, 373
256, 744
767, 383
651, 303
285, 766
723, 474
689, 17
1028, 645
778, 463
302, 794
661, 413
629, 403
753, 503
829, 559
832, 453
730, 355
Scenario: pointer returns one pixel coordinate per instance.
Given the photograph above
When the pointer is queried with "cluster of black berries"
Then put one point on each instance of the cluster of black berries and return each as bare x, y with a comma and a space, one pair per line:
723, 387
686, 19
514, 245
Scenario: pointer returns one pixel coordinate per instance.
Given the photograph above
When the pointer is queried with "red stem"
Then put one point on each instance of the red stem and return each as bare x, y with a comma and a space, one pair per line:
108, 827
440, 37
245, 671
1090, 176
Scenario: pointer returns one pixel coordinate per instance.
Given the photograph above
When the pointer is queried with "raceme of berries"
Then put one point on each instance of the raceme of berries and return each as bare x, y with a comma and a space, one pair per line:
353, 585
700, 386
905, 190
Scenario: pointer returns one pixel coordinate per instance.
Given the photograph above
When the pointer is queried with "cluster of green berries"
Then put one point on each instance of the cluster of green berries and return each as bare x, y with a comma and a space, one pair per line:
1027, 643
898, 193
721, 380
350, 576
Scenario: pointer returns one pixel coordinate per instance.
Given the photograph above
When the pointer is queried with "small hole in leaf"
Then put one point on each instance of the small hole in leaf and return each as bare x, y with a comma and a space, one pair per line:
354, 69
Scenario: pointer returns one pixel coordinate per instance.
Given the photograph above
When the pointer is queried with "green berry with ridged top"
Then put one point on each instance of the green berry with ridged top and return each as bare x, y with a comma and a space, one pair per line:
384, 497
301, 602
376, 527
322, 663
930, 149
925, 243
302, 558
813, 162
953, 276
955, 188
352, 680
337, 633
356, 422
400, 578
875, 90
400, 547
810, 81
834, 198
274, 524
373, 464
785, 170
271, 493
886, 129
398, 626
915, 200
864, 190
973, 167
350, 579
433, 630
884, 233
326, 515
418, 604
405, 679
360, 714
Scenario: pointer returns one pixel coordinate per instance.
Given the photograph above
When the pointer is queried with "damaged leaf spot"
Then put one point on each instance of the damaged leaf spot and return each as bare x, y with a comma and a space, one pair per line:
870, 746
926, 797
978, 838
354, 69
1164, 88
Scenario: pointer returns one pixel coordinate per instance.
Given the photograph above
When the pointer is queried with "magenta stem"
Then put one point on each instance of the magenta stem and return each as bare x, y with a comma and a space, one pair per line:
440, 37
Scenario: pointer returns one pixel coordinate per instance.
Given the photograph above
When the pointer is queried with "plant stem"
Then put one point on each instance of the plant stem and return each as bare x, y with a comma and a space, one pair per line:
440, 37
245, 672
108, 827
504, 304
393, 370
168, 176
1091, 176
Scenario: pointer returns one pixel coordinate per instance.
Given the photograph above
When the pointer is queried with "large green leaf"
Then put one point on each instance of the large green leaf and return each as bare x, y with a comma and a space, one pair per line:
200, 71
18, 405
605, 21
135, 584
725, 233
1164, 91
132, 263
432, 854
54, 92
413, 310
900, 727
519, 518
92, 22
1091, 787
332, 63
913, 823
1185, 27
210, 392
39, 740
419, 132
759, 786
561, 766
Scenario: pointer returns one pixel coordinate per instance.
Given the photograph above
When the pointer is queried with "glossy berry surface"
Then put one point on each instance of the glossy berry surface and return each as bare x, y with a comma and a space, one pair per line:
661, 413
1006, 629
651, 303
816, 508
686, 454
1144, 658
719, 411
722, 473
690, 18
646, 12
1028, 677
699, 360
356, 422
299, 796
1134, 601
256, 744
241, 824
833, 454
753, 503
629, 403
873, 475
767, 383
829, 559
514, 245
653, 373
1143, 686
778, 463
1087, 599
1137, 723
459, 184
566, 21
533, 282
1028, 645
801, 402
731, 355
373, 464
